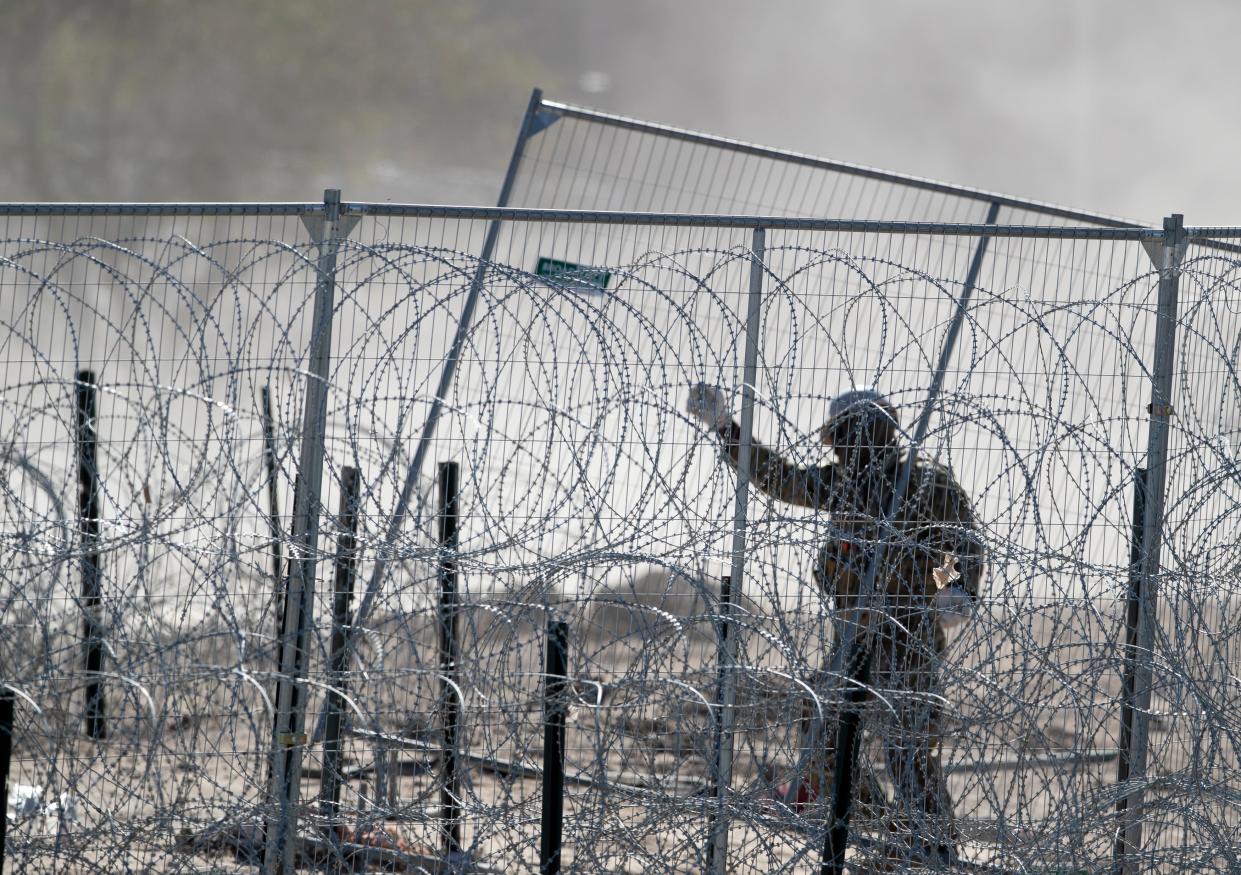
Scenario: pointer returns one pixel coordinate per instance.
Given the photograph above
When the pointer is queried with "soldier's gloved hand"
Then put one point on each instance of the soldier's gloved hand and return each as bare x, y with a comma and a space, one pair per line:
708, 404
954, 605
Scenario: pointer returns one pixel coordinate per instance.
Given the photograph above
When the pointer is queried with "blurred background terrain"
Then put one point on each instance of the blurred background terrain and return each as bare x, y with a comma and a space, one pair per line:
1117, 106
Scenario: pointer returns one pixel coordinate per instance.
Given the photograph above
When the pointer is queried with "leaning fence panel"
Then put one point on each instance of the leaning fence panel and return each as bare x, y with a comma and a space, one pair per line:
575, 157
593, 492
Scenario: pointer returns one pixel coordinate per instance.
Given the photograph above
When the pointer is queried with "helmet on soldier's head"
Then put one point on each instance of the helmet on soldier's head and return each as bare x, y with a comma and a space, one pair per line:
865, 400
862, 418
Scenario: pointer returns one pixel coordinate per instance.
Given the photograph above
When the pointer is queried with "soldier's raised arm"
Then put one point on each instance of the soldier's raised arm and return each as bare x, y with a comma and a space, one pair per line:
804, 485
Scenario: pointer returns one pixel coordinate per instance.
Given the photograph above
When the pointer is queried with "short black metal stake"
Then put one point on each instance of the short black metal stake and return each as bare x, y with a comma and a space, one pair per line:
1128, 694
6, 755
450, 698
555, 709
722, 628
89, 493
273, 490
848, 731
346, 572
281, 626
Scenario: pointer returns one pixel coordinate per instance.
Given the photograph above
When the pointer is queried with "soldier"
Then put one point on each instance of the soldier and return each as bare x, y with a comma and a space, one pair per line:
932, 567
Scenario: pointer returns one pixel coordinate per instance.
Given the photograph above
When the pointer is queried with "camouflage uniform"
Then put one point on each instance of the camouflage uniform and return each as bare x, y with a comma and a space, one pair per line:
933, 531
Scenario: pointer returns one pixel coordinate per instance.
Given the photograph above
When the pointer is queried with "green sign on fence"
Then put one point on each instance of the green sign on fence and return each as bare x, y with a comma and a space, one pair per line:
573, 276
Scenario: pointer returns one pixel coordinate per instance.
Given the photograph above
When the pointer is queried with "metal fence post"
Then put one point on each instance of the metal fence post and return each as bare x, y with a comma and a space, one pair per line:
726, 597
89, 513
273, 489
555, 710
346, 569
848, 750
6, 755
327, 230
717, 840
853, 656
449, 508
532, 123
1167, 254
1133, 613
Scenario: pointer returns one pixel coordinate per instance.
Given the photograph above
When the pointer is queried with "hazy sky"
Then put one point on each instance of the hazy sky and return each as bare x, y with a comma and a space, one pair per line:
1126, 107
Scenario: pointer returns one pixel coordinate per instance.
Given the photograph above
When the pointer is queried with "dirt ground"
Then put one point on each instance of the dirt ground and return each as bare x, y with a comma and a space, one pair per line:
1032, 691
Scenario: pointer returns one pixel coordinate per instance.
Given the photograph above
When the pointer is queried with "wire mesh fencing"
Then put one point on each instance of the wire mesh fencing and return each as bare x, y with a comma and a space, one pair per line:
215, 665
